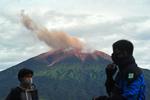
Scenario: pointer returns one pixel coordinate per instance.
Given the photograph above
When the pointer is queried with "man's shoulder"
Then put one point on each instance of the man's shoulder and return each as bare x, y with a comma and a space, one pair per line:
132, 73
16, 89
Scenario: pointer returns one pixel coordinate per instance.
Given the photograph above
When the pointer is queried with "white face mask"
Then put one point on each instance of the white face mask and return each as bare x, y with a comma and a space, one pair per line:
28, 81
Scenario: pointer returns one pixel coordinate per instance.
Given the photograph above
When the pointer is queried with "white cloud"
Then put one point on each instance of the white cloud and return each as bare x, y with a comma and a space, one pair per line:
98, 22
16, 43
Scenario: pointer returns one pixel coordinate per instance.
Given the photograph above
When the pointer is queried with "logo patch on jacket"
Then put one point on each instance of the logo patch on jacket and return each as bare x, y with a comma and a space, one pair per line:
130, 75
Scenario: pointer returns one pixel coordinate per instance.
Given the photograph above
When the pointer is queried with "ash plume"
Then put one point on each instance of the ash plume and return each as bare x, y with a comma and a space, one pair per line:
54, 39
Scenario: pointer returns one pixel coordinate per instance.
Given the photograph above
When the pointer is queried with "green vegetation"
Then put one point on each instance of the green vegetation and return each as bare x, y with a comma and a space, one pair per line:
69, 79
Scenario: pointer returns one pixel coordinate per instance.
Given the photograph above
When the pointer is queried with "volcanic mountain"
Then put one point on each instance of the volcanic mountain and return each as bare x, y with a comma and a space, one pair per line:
63, 75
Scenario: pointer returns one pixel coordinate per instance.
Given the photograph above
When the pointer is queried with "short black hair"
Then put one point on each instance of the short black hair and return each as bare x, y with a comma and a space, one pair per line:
124, 45
23, 72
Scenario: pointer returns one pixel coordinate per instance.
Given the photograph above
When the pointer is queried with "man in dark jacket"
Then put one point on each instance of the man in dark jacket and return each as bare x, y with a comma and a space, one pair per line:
128, 83
26, 90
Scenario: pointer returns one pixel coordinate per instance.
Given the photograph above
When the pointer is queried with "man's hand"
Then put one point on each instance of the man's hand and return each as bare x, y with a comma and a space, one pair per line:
111, 70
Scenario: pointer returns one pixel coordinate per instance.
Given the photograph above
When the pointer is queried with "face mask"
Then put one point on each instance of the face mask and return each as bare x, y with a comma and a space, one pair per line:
28, 81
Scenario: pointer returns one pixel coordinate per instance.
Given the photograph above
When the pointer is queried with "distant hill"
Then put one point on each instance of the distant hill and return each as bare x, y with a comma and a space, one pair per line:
64, 75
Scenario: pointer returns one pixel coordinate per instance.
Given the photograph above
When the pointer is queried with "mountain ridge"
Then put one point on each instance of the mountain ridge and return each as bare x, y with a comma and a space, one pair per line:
63, 74
53, 57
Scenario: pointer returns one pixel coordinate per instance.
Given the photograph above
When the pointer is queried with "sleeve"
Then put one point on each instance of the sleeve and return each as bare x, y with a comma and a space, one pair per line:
14, 94
10, 95
131, 91
109, 84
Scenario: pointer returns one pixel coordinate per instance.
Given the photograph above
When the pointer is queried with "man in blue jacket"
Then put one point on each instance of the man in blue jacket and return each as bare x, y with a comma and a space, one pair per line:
126, 83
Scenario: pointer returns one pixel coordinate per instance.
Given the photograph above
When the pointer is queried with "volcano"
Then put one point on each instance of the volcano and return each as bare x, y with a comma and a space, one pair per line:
62, 74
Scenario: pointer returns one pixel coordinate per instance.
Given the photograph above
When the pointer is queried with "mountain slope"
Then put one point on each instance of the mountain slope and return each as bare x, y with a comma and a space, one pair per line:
63, 75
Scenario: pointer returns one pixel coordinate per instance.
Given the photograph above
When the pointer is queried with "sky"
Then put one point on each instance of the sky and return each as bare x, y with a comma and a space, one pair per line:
98, 22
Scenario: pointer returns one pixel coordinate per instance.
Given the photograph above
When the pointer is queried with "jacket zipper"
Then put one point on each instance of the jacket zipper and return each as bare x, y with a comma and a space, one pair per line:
26, 95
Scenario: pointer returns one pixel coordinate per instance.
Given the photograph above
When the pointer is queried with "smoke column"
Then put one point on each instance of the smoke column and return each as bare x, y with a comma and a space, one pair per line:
54, 39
